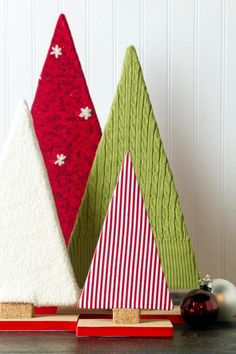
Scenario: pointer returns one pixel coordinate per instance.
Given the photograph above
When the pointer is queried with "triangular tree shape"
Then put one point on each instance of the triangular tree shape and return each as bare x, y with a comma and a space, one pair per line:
132, 127
126, 271
66, 125
34, 262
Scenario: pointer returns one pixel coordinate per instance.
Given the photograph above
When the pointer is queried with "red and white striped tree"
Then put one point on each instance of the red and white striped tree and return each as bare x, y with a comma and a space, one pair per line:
126, 271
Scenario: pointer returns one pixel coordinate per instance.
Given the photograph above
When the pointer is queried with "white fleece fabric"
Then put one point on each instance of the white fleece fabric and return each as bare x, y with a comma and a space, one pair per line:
34, 262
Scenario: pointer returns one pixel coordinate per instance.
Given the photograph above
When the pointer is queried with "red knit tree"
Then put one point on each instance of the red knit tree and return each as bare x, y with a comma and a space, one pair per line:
66, 125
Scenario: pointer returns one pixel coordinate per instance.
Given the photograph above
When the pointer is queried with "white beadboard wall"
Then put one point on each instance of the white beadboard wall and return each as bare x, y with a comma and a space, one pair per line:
188, 54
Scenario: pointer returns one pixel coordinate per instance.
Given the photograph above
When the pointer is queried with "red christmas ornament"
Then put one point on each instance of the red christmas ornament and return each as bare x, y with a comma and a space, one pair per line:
66, 125
199, 308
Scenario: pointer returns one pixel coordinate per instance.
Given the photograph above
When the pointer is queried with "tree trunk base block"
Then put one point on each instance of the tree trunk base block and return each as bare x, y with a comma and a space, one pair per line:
16, 310
126, 316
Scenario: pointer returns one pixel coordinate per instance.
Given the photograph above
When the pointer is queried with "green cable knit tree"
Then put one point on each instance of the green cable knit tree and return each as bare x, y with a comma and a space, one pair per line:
132, 128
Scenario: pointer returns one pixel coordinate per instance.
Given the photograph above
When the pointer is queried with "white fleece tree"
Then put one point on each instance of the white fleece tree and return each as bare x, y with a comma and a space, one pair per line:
34, 263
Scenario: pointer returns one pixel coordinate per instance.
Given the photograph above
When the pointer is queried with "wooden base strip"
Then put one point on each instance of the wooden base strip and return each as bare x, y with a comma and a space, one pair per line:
41, 323
107, 328
174, 315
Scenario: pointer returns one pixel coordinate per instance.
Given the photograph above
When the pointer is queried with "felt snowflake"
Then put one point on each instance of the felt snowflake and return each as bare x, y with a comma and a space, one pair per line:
56, 51
85, 113
60, 160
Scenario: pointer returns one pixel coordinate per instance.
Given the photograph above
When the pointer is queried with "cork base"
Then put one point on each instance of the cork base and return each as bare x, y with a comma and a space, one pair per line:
126, 316
16, 310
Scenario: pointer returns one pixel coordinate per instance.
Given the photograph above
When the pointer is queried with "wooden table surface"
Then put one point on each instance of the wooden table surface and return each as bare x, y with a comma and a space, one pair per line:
221, 338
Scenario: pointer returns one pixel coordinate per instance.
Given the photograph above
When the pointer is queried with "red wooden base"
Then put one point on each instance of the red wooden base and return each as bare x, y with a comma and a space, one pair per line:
47, 310
106, 328
41, 323
53, 310
174, 315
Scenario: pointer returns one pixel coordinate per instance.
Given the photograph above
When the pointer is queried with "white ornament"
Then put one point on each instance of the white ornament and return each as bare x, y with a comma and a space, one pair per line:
60, 160
56, 51
225, 293
85, 113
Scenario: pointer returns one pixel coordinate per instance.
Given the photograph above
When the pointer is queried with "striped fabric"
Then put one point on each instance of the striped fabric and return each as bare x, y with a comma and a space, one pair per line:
126, 271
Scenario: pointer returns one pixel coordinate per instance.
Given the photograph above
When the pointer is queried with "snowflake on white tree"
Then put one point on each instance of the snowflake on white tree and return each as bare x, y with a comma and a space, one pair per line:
60, 160
56, 51
85, 113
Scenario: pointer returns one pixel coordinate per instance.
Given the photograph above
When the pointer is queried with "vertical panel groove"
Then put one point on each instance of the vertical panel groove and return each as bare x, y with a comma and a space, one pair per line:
60, 6
6, 66
33, 46
222, 135
142, 32
114, 43
85, 40
169, 77
196, 119
88, 42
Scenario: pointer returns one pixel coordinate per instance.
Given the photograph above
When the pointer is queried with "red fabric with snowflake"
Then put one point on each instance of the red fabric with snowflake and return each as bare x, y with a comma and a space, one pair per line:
66, 125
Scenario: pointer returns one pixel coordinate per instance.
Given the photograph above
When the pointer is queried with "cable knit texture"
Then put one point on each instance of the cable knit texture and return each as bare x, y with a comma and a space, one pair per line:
132, 128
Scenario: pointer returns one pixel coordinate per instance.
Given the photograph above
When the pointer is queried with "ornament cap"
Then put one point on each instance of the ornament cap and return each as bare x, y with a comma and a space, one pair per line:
205, 283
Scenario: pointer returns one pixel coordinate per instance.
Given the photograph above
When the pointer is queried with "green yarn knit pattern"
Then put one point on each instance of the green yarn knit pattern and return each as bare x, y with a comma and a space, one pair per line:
131, 127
